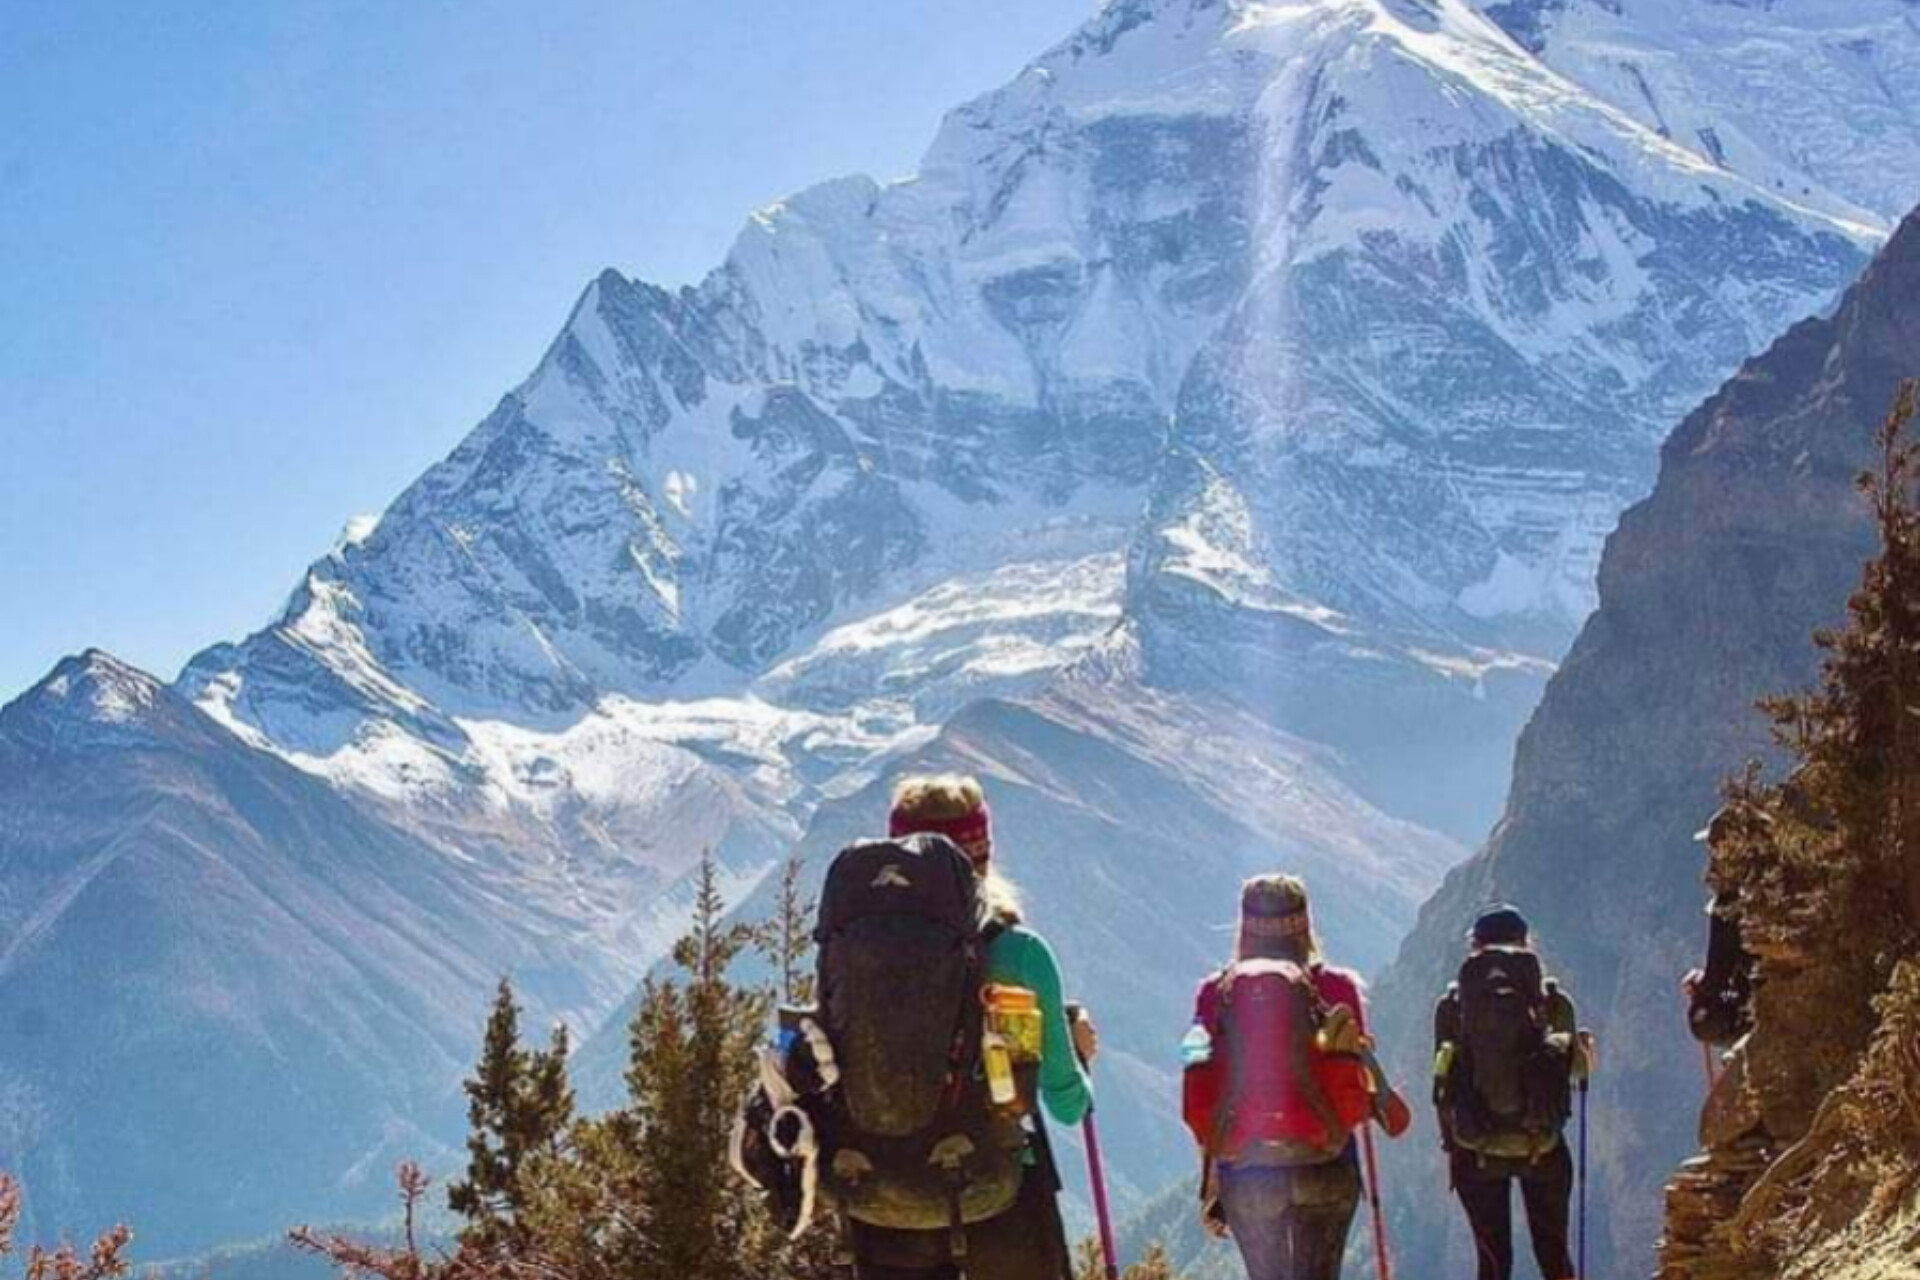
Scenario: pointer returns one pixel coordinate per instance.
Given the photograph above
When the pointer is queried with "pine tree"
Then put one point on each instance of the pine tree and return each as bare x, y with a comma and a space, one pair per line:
786, 942
1824, 865
788, 937
519, 1106
1826, 869
693, 1062
643, 1192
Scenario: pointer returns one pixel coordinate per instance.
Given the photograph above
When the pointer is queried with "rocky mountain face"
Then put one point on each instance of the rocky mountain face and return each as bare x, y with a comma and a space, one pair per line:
1212, 443
210, 961
1729, 80
1710, 593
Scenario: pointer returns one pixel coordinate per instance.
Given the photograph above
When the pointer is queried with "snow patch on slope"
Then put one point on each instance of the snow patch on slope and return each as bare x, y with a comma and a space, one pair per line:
1730, 83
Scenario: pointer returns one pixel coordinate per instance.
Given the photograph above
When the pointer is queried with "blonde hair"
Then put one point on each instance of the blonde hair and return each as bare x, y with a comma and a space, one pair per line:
944, 797
1274, 897
938, 797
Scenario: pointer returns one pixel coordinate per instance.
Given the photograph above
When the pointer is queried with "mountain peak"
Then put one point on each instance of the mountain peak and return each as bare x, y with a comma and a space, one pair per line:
101, 686
87, 696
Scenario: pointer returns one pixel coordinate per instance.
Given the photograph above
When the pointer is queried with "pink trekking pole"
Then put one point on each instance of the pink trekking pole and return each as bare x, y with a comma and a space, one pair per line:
1383, 1260
1096, 1175
1096, 1170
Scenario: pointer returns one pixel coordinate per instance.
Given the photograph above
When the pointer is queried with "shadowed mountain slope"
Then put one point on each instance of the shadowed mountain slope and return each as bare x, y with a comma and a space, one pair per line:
1710, 592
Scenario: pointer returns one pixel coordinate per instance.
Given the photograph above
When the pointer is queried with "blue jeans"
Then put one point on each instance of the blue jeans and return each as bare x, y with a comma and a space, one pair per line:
1291, 1223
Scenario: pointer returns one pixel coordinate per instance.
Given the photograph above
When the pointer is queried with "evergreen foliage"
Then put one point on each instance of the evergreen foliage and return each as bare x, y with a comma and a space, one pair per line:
643, 1192
693, 1045
1826, 868
519, 1106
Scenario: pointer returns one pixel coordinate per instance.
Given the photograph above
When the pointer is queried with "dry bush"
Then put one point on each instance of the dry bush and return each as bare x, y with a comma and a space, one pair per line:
1887, 1093
371, 1262
106, 1259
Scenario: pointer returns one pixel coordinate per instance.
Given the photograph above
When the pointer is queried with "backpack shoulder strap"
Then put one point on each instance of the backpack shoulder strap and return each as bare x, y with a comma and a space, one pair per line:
1318, 1006
1559, 1012
1446, 1015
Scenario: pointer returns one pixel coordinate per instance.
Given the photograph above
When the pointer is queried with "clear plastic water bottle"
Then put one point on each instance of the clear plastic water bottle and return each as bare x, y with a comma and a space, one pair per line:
1001, 1086
1196, 1048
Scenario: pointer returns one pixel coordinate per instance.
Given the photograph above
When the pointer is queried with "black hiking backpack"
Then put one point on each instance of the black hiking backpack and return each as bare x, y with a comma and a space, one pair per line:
1720, 1009
913, 1140
1509, 1091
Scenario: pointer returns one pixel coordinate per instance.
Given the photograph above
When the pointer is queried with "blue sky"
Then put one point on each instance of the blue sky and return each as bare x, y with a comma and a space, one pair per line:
262, 263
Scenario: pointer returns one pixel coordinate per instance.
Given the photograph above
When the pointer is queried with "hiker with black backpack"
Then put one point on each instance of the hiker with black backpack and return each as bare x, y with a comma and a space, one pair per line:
1507, 1051
1280, 1076
949, 1028
1720, 995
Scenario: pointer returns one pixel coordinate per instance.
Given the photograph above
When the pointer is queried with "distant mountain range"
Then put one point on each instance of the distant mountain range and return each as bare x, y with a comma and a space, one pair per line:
1212, 444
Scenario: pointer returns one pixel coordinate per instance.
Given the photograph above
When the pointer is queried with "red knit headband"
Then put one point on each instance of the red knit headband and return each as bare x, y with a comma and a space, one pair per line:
968, 828
1276, 926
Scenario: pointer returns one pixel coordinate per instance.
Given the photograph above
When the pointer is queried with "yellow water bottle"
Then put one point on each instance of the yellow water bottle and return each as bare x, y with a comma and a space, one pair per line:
1013, 1014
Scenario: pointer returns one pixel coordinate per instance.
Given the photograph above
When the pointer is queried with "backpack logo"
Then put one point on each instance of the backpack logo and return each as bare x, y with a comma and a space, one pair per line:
891, 877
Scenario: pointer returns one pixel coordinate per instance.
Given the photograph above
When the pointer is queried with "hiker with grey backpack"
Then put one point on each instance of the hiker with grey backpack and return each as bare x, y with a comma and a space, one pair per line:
907, 1104
1508, 1054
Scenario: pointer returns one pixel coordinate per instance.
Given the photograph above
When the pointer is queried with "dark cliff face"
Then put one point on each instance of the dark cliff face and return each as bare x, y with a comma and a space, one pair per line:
1710, 591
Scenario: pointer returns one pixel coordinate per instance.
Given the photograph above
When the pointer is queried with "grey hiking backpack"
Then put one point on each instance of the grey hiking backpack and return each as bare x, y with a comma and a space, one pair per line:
913, 1140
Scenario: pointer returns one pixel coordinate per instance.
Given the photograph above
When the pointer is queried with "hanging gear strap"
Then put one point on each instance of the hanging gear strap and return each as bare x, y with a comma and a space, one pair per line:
950, 1156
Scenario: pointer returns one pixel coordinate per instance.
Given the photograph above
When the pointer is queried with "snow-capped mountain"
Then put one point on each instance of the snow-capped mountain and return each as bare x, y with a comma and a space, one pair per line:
1407, 306
1227, 414
1814, 99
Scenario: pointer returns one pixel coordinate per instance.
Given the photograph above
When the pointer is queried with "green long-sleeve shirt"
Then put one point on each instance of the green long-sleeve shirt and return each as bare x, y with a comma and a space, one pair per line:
1019, 957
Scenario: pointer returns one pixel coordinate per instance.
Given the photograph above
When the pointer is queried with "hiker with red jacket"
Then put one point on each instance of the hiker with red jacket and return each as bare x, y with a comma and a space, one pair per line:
1280, 1075
1507, 1053
936, 1152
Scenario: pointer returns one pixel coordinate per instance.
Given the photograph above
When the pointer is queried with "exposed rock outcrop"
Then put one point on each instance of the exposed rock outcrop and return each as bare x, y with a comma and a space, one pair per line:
1710, 591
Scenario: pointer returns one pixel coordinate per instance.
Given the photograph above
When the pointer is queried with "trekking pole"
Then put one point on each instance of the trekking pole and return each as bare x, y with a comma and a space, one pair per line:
1097, 1175
1582, 1272
1383, 1260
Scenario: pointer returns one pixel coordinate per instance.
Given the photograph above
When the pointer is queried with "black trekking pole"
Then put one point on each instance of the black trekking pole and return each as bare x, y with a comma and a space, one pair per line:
1585, 1083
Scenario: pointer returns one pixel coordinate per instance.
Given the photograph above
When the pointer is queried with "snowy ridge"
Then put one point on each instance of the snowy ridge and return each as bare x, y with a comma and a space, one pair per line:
1730, 82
